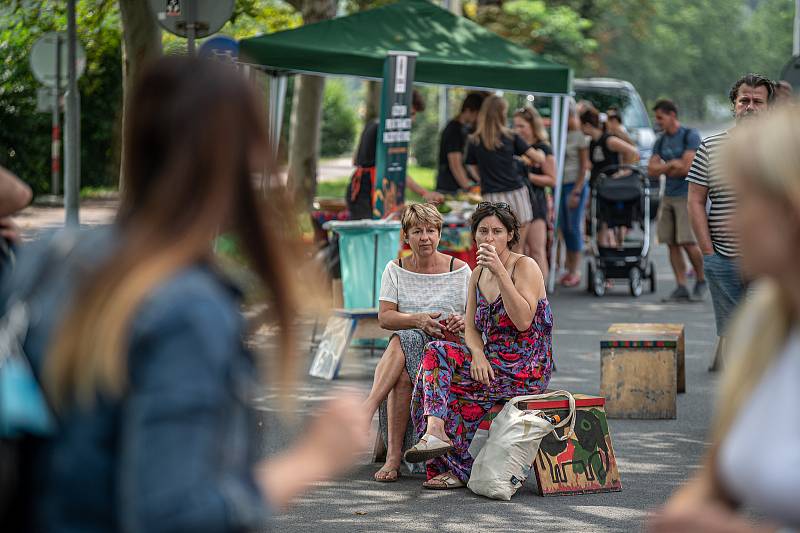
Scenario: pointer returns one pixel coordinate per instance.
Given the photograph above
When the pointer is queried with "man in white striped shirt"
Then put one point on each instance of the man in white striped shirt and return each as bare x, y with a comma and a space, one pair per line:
750, 95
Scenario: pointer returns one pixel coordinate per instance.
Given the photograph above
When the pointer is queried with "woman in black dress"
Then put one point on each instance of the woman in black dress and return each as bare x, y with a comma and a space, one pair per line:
538, 176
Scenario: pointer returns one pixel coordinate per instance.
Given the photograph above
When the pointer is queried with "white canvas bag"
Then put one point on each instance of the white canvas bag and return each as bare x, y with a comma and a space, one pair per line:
504, 462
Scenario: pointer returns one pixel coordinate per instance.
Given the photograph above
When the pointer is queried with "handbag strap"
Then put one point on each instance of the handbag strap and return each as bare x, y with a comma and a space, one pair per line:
569, 419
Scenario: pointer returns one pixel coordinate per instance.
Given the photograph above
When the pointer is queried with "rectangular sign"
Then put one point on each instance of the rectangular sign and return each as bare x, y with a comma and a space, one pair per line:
331, 349
394, 133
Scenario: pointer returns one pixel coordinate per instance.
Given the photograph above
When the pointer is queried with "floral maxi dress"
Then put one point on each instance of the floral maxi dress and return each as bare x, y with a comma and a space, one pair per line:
522, 362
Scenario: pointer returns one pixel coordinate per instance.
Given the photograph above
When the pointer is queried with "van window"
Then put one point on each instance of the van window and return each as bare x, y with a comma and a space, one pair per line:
633, 112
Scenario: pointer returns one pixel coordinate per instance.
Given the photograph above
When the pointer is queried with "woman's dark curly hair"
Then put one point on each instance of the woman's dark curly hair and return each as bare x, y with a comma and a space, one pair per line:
503, 212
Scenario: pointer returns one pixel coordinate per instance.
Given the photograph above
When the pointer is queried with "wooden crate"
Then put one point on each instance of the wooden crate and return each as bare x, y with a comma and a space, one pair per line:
638, 378
584, 463
660, 329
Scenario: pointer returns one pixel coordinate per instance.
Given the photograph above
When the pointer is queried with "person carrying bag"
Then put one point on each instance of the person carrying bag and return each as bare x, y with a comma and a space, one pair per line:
503, 463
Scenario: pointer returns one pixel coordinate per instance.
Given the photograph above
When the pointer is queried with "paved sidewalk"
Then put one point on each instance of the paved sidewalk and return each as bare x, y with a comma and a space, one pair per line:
36, 219
654, 456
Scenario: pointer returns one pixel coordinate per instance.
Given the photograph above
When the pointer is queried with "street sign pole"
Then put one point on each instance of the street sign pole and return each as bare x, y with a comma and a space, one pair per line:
796, 32
72, 151
56, 144
191, 21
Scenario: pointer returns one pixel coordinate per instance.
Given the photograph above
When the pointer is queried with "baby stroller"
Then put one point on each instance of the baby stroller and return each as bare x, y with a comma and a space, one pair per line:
621, 201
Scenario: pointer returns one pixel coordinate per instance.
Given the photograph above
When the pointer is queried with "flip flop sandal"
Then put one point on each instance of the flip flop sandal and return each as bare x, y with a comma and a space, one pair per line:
428, 447
387, 479
571, 280
443, 482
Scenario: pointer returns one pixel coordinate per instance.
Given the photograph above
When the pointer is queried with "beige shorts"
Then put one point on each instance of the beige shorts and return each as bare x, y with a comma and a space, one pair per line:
673, 222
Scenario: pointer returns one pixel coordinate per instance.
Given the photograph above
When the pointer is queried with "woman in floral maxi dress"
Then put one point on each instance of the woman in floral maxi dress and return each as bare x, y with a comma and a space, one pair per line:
508, 352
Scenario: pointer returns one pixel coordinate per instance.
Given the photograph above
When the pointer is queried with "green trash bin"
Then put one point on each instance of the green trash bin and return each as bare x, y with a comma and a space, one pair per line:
365, 247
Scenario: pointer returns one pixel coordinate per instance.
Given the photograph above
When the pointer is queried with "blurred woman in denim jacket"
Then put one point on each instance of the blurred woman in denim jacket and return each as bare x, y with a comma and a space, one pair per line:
138, 339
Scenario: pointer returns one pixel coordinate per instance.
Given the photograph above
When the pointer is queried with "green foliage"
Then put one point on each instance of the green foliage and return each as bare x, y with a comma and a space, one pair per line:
339, 120
336, 188
25, 136
557, 32
425, 132
688, 50
769, 35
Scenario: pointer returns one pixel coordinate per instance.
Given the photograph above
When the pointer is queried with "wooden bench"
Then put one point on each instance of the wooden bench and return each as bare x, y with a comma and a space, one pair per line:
343, 327
660, 329
638, 378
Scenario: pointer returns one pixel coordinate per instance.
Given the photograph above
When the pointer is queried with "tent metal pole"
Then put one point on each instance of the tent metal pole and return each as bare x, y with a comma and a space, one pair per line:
277, 98
443, 107
555, 120
563, 125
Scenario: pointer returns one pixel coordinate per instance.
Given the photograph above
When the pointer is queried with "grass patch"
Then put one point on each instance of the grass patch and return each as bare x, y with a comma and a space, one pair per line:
99, 193
426, 177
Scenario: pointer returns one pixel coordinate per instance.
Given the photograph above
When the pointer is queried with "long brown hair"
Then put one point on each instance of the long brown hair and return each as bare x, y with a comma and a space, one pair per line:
491, 126
195, 134
534, 119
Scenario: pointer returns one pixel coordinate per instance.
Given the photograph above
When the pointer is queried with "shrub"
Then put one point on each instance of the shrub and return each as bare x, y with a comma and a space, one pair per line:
339, 121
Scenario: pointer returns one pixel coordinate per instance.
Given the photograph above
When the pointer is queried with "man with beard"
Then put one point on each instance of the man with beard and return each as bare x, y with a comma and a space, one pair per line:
750, 95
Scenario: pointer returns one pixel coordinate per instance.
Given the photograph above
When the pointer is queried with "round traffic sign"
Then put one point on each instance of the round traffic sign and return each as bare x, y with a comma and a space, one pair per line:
220, 47
209, 15
43, 58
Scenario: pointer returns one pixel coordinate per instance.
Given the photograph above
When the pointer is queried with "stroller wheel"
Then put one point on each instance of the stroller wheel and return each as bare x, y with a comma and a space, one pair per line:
635, 279
589, 277
598, 281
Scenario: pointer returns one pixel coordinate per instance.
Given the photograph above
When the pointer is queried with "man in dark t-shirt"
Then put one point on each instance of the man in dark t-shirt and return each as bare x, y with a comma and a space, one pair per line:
367, 145
452, 175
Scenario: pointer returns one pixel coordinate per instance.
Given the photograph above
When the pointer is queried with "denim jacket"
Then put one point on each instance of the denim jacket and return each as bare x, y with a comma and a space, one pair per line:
177, 451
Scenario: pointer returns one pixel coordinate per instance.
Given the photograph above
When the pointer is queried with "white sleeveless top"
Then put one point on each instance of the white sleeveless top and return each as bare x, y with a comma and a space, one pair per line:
759, 460
444, 293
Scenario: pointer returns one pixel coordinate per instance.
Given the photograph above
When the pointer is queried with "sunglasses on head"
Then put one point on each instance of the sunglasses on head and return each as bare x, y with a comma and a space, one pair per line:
494, 205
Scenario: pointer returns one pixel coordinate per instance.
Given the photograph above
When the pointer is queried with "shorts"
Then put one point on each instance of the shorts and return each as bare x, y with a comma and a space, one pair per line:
538, 198
519, 200
673, 222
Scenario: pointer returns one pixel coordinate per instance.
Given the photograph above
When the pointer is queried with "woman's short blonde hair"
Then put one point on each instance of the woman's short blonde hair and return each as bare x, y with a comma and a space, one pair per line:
421, 215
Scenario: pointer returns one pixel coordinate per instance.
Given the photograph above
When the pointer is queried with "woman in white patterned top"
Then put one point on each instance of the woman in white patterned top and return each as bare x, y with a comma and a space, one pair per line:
423, 298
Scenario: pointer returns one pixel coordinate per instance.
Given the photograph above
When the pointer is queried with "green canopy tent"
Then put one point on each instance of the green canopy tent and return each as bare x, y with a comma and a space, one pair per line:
452, 51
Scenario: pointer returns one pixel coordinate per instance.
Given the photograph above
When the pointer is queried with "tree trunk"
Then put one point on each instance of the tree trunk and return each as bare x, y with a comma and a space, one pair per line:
304, 139
304, 136
141, 42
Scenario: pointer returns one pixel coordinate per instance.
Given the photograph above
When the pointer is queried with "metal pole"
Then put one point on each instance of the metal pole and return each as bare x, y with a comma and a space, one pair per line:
55, 150
796, 33
72, 152
443, 111
191, 21
555, 121
561, 151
